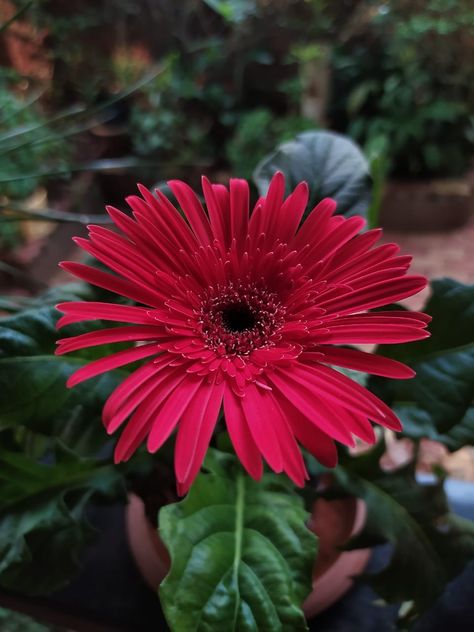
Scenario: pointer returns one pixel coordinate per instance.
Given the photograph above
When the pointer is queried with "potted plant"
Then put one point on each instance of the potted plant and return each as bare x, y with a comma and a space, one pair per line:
241, 552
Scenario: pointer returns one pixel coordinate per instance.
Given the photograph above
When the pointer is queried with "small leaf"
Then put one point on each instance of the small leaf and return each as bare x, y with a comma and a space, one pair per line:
241, 553
331, 164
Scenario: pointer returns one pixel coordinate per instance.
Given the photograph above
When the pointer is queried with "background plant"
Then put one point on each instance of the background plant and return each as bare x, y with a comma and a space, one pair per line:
42, 147
404, 80
401, 74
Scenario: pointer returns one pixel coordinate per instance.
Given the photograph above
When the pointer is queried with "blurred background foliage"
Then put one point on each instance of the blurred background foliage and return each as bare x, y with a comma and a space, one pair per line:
243, 75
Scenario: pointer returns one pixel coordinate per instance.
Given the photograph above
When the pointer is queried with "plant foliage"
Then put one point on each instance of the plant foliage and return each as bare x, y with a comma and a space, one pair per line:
332, 165
241, 554
438, 402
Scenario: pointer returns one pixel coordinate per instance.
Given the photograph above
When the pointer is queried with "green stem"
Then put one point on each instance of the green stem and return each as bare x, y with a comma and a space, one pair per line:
378, 172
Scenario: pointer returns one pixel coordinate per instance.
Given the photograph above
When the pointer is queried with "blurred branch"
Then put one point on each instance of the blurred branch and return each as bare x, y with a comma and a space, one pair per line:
105, 164
21, 130
78, 110
19, 274
35, 96
72, 131
12, 213
18, 14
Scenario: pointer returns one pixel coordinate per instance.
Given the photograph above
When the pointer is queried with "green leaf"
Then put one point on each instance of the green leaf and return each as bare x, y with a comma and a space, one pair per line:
331, 164
438, 402
42, 526
233, 10
11, 621
33, 389
430, 546
241, 553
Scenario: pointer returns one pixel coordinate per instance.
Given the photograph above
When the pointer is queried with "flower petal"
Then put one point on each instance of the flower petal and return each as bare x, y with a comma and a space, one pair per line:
122, 287
259, 410
308, 434
171, 411
109, 336
193, 210
291, 212
143, 419
307, 396
135, 388
239, 211
240, 435
78, 311
194, 434
376, 295
362, 361
111, 362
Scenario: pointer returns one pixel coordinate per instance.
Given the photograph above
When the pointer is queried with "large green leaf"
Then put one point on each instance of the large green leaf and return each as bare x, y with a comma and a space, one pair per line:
241, 554
430, 546
42, 526
331, 164
438, 402
33, 389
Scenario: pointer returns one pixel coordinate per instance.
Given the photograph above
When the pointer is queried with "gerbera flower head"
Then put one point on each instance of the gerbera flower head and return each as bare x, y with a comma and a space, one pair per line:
248, 312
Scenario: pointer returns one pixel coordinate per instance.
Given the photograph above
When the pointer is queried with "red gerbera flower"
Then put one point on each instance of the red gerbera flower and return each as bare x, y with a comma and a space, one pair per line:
248, 312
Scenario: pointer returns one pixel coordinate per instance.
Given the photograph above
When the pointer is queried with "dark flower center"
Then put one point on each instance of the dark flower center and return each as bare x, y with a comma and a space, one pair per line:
238, 317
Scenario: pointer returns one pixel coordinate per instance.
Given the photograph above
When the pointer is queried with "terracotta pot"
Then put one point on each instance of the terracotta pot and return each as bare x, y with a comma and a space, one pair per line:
149, 552
333, 521
426, 205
